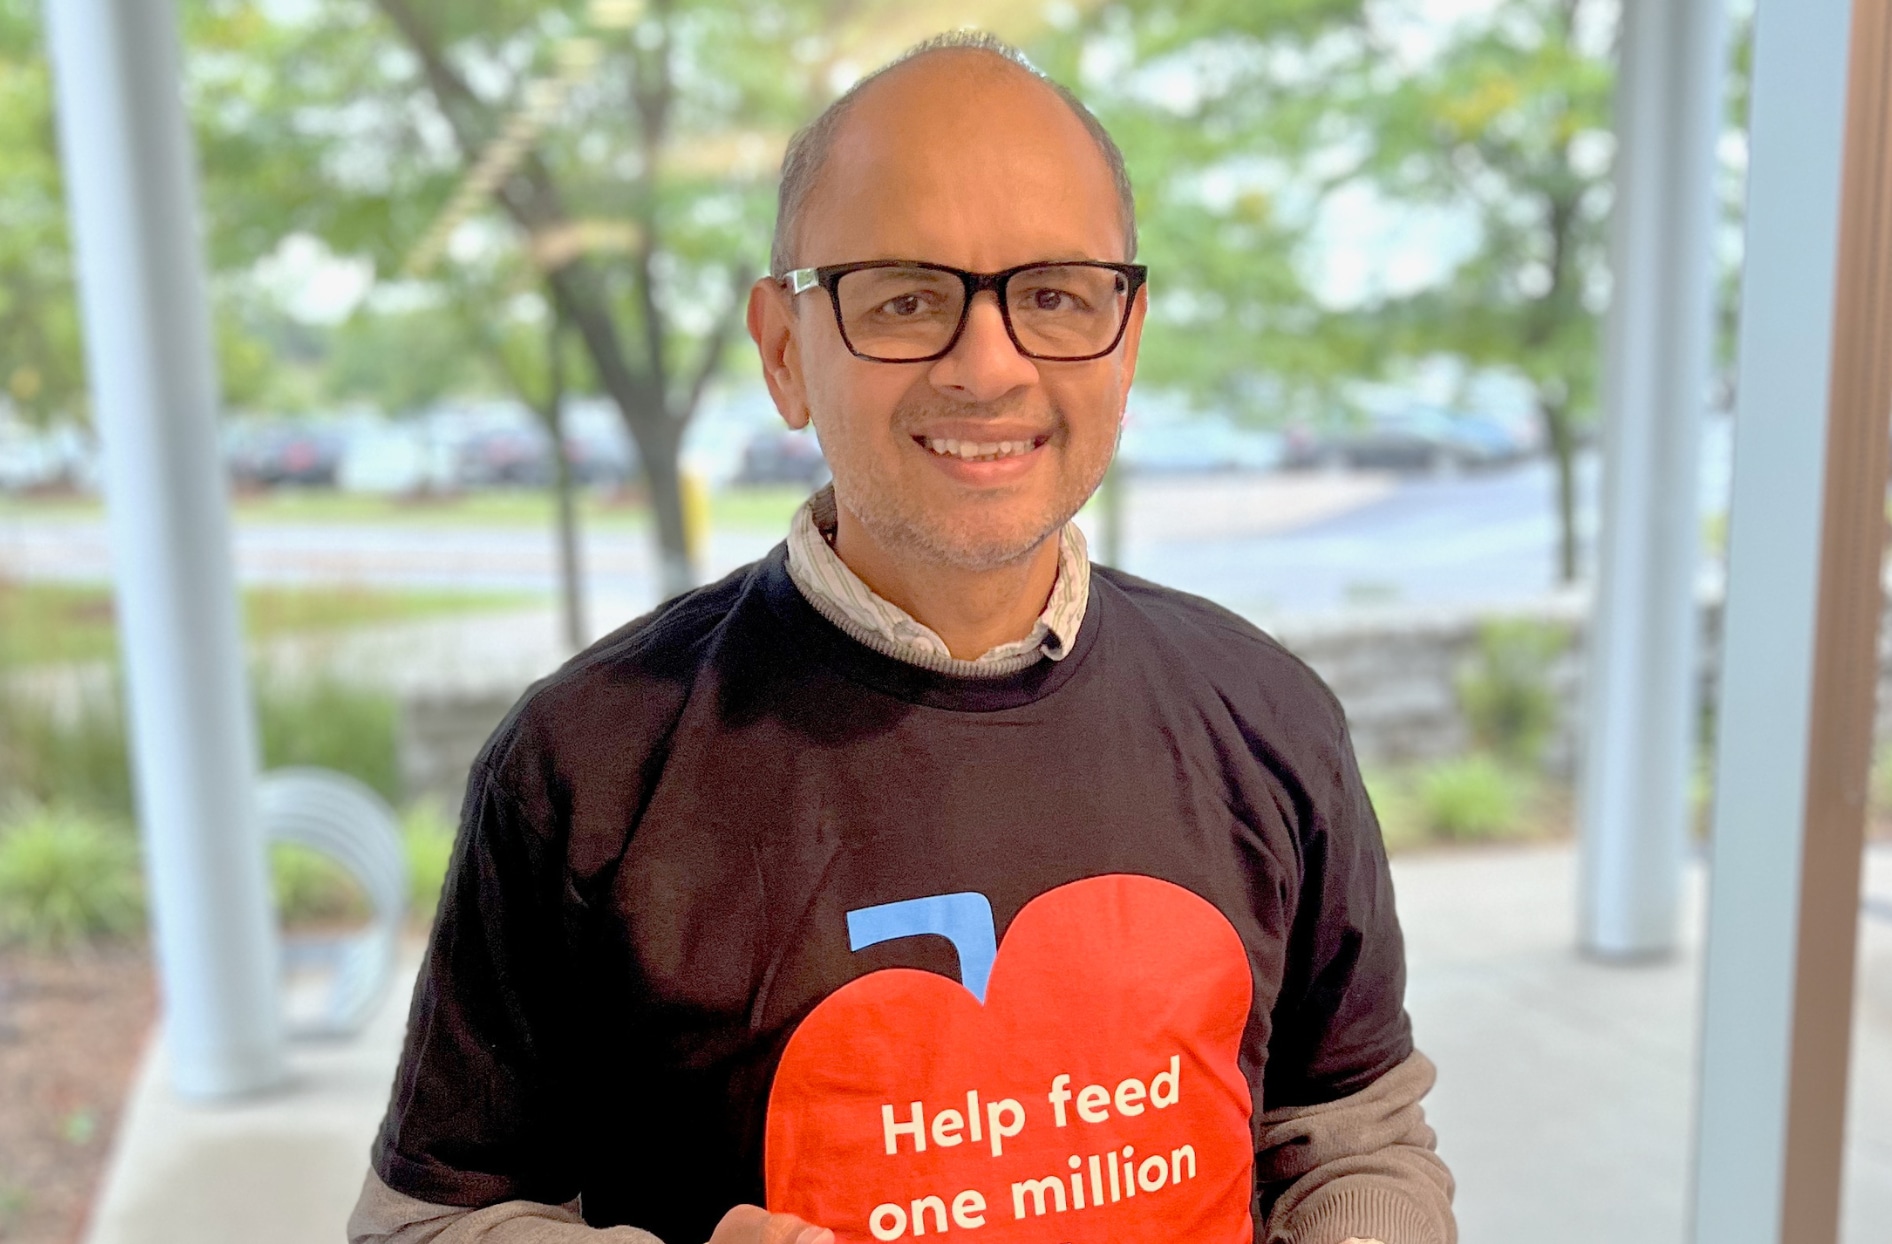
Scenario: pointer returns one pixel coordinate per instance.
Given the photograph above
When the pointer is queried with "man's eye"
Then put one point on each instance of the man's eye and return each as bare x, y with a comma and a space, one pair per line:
1047, 299
903, 306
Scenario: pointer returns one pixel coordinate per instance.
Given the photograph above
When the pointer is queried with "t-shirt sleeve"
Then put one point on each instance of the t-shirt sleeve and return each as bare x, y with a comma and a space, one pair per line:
1340, 1021
476, 1112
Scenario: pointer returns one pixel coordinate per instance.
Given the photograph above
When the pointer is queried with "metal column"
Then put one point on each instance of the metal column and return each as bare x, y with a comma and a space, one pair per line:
1804, 608
1643, 684
129, 170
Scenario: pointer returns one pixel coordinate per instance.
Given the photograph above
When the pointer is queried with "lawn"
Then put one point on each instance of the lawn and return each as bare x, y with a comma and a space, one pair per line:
741, 508
54, 622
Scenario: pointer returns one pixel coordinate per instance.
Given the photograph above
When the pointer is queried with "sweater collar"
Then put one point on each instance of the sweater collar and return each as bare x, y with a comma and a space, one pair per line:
839, 595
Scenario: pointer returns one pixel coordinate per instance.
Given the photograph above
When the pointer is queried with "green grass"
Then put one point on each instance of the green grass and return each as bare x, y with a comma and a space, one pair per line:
47, 623
765, 508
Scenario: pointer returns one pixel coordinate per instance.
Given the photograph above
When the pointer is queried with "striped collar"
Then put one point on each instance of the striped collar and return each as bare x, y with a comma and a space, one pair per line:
839, 595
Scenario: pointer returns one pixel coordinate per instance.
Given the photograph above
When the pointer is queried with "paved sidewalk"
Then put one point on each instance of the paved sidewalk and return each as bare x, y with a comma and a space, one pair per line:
1563, 1104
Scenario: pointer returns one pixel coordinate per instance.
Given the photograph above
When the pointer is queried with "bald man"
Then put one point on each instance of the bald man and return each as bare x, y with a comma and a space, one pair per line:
923, 878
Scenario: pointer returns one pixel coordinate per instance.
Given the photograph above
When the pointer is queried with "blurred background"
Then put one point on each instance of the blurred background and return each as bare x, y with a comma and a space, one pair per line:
1366, 418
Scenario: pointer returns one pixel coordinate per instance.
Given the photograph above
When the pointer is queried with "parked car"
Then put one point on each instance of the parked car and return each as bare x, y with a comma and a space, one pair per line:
602, 457
507, 457
1415, 438
1157, 442
52, 458
778, 456
272, 453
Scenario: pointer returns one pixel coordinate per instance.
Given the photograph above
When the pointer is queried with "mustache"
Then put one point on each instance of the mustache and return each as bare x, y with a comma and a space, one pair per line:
913, 415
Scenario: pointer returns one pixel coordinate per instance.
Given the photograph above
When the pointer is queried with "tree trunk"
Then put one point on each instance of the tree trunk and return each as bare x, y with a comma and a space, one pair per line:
570, 570
1563, 449
654, 415
663, 475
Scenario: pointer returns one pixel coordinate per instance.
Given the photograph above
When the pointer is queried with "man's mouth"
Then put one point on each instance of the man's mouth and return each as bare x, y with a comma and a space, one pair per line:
979, 451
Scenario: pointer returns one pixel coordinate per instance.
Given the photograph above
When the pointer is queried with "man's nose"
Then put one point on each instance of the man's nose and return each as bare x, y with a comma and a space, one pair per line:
984, 364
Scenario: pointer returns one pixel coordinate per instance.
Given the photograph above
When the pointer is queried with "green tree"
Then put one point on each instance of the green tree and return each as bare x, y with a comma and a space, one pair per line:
41, 376
1220, 107
644, 195
42, 370
1507, 126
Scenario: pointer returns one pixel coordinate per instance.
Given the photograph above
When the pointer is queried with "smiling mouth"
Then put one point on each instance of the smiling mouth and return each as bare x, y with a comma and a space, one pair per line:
979, 451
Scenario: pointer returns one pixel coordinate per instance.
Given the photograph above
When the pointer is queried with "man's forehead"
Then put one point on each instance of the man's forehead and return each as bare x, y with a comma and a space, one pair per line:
959, 143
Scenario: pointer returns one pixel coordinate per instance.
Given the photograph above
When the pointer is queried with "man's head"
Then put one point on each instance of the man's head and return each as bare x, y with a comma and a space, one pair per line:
957, 154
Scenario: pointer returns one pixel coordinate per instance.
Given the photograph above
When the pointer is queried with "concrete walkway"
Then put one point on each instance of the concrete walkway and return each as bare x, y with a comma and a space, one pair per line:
1563, 1104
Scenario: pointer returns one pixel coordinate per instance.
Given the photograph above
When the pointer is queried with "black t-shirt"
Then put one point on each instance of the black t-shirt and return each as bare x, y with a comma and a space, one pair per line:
741, 909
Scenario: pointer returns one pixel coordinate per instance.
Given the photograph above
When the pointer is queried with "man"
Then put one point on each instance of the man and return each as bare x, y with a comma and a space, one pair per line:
922, 878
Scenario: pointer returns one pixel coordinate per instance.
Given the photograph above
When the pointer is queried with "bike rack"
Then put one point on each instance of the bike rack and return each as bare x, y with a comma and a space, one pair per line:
340, 818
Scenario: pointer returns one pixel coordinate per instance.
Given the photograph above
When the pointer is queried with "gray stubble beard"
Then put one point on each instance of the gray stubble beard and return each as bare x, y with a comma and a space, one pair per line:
897, 530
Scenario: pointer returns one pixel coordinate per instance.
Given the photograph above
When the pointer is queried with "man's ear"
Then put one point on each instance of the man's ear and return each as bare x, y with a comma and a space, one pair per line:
772, 326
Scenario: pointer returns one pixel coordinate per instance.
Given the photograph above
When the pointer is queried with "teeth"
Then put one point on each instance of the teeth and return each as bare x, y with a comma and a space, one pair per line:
976, 451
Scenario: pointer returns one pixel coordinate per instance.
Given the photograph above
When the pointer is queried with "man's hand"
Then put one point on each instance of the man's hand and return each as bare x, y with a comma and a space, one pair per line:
751, 1224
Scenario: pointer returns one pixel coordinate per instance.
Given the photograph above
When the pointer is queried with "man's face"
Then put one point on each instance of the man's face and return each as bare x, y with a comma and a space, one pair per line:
963, 160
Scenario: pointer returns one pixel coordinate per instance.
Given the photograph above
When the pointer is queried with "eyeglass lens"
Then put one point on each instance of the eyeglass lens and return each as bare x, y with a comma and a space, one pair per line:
897, 312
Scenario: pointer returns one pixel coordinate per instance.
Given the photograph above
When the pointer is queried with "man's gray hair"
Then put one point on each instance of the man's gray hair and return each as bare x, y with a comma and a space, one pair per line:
808, 150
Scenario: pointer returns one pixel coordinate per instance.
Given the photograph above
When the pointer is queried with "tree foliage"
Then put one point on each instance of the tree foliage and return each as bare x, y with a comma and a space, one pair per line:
40, 373
1219, 106
1508, 125
645, 201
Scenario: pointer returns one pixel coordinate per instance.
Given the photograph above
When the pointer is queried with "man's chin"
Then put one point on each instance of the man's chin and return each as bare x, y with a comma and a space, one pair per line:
984, 549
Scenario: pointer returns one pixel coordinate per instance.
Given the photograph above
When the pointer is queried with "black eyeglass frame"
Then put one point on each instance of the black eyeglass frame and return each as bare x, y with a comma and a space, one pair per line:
828, 277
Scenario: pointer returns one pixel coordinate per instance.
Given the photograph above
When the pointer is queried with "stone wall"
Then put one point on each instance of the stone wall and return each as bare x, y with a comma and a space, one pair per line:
1396, 672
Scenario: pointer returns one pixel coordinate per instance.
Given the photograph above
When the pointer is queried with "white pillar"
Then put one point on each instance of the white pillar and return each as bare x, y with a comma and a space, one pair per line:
1642, 677
1788, 290
130, 188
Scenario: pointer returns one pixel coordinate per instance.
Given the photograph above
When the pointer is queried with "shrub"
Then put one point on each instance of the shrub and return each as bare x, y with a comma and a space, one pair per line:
1470, 798
65, 879
427, 835
1881, 790
78, 759
74, 759
1392, 799
335, 725
1506, 695
310, 888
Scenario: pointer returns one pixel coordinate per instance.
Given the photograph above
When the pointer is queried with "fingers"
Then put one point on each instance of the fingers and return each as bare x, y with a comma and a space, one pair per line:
788, 1229
751, 1224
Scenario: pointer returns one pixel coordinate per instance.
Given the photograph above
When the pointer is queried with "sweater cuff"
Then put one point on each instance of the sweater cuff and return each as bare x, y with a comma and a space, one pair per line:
1352, 1210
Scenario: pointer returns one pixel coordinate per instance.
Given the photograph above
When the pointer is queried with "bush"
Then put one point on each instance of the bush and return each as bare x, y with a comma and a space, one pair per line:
74, 760
1392, 799
1506, 694
79, 760
332, 724
310, 888
1469, 799
1880, 799
66, 879
427, 835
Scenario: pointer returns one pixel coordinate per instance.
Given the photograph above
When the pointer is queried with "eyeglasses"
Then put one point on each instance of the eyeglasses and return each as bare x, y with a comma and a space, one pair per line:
900, 311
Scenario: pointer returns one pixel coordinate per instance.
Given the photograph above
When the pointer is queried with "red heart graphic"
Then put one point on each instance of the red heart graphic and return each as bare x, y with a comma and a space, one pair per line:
1095, 1096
